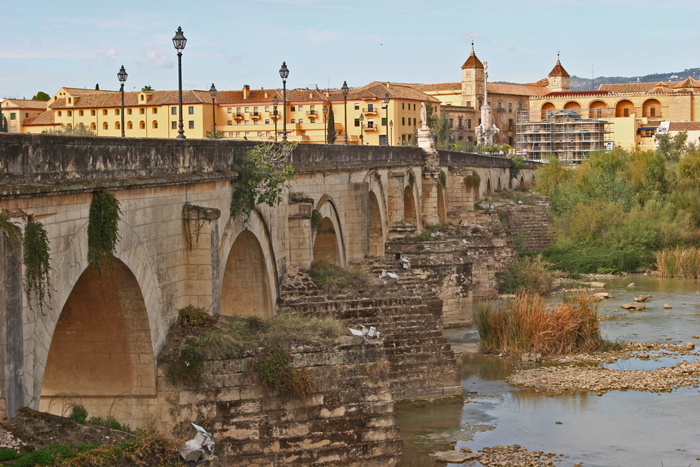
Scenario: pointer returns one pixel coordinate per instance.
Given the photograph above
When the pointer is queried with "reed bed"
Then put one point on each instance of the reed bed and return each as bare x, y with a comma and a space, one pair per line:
681, 262
528, 324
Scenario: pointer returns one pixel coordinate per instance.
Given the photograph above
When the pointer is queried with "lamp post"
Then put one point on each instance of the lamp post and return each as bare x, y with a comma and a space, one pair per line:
362, 127
122, 75
391, 125
345, 99
212, 93
325, 125
179, 42
386, 113
284, 74
275, 101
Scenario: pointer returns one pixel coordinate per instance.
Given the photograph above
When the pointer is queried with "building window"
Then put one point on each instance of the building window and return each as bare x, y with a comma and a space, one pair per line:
117, 126
414, 120
370, 107
510, 107
293, 121
301, 120
191, 125
370, 123
469, 123
255, 110
13, 116
191, 110
80, 112
142, 125
230, 122
238, 134
303, 133
173, 110
128, 111
357, 106
142, 111
627, 113
510, 124
267, 108
104, 111
230, 134
247, 122
414, 106
403, 121
246, 110
155, 125
70, 113
174, 125
499, 106
255, 122
520, 106
652, 112
155, 110
301, 108
403, 106
357, 122
291, 108
92, 112
238, 110
313, 109
267, 122
229, 110
129, 125
469, 103
383, 121
116, 112
105, 126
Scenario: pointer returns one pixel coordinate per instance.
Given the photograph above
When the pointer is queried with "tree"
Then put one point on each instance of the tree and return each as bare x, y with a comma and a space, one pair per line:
674, 147
147, 88
41, 96
78, 130
331, 125
97, 87
516, 165
262, 176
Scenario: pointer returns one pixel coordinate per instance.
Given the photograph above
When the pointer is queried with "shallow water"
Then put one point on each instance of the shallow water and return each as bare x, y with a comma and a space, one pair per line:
616, 429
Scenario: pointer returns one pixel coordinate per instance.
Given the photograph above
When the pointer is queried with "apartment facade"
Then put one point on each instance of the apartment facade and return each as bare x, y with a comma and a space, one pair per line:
19, 111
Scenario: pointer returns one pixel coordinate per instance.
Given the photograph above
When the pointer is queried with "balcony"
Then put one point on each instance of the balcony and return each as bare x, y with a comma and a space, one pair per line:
255, 115
372, 128
368, 111
312, 114
238, 116
275, 117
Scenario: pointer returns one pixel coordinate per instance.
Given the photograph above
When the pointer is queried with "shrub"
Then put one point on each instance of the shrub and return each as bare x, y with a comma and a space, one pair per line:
327, 275
528, 274
275, 374
472, 181
679, 262
527, 324
8, 455
194, 317
188, 367
78, 414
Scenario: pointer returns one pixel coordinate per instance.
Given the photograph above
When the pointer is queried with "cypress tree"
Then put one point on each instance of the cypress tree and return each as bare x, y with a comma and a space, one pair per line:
331, 125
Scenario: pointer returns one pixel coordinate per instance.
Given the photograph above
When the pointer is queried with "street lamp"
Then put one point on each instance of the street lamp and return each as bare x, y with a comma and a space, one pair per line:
122, 79
362, 127
325, 125
391, 125
275, 101
284, 74
386, 120
212, 92
179, 42
345, 99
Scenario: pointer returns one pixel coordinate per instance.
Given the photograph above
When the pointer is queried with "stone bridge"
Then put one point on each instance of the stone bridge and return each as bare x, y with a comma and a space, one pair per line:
99, 335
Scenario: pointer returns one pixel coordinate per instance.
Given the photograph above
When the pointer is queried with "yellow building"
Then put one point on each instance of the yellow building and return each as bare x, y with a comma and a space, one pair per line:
633, 110
19, 111
245, 114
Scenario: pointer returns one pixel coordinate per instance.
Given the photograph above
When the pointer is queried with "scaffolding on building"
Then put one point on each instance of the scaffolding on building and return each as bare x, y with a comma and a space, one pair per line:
569, 134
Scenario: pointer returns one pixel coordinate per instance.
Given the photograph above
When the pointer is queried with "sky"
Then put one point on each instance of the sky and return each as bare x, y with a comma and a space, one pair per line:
46, 45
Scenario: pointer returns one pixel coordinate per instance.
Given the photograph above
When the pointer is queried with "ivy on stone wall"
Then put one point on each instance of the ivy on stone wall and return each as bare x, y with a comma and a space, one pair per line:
10, 229
317, 222
443, 179
472, 181
103, 229
411, 179
36, 263
517, 163
262, 177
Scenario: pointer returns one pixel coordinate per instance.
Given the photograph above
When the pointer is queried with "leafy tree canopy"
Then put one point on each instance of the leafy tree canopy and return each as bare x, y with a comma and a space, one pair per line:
41, 96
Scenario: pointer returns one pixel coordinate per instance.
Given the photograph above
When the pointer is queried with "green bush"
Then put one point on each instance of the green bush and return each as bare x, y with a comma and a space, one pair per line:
8, 455
188, 367
78, 414
327, 275
275, 374
193, 317
528, 274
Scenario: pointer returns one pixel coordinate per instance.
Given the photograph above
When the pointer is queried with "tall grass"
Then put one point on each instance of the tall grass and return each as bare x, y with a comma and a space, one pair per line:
528, 324
681, 262
528, 274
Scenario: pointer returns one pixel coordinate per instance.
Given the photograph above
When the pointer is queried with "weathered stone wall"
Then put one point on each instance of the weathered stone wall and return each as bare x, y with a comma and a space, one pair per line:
347, 420
533, 222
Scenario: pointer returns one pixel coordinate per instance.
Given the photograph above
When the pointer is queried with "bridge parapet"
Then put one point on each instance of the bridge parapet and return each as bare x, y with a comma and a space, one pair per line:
455, 158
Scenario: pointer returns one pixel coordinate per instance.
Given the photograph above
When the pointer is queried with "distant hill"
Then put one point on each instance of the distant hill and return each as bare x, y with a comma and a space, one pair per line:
587, 84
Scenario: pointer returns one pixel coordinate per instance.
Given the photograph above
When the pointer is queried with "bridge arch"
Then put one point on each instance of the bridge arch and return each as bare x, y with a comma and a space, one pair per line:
410, 209
441, 206
130, 291
376, 227
248, 270
329, 244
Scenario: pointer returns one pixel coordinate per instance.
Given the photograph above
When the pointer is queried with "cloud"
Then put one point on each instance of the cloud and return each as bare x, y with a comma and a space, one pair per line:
109, 54
158, 59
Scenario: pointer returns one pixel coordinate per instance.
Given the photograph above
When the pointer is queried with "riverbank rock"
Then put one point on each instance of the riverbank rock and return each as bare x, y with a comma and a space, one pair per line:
667, 306
531, 357
455, 457
630, 285
603, 295
597, 285
634, 306
642, 298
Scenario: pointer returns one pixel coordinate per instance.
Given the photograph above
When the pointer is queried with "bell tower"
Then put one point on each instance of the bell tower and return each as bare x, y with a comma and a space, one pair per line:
472, 80
558, 78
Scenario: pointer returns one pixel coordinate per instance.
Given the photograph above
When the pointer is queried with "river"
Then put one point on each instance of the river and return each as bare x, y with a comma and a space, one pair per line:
617, 428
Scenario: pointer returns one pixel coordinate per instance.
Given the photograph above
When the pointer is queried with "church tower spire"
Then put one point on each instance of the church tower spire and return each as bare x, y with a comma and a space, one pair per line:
558, 78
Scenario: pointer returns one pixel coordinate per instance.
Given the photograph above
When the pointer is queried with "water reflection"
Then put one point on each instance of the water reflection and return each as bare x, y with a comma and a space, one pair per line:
615, 429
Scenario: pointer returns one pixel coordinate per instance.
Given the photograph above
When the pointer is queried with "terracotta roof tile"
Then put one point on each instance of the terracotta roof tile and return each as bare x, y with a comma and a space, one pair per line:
578, 94
44, 118
558, 70
438, 87
26, 104
473, 61
684, 126
650, 87
85, 99
517, 89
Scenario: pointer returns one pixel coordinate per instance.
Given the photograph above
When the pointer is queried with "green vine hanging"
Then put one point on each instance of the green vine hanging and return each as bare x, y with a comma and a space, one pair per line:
443, 179
103, 229
11, 230
36, 263
411, 179
317, 222
472, 181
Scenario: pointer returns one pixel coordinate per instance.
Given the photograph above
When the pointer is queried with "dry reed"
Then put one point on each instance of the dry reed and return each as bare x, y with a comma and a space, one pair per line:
682, 262
528, 324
